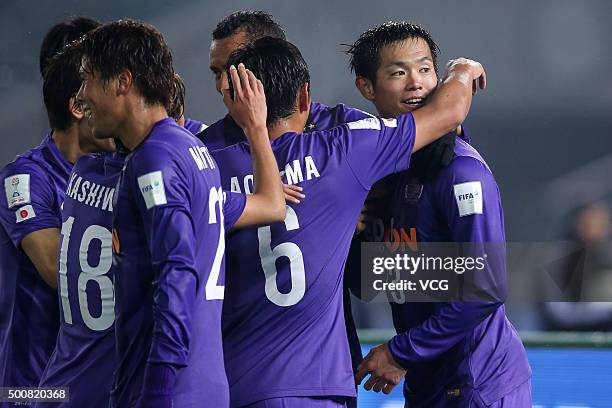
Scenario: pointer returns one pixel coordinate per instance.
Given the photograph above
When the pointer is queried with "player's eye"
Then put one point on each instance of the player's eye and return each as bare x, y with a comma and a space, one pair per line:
424, 70
398, 73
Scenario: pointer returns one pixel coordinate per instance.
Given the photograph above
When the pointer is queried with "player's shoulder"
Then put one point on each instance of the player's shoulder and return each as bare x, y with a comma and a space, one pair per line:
22, 178
88, 161
467, 165
167, 137
30, 163
225, 124
233, 148
194, 126
350, 112
31, 158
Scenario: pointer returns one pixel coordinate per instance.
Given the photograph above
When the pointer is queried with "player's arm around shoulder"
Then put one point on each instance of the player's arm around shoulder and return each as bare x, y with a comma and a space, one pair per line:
29, 216
248, 108
450, 103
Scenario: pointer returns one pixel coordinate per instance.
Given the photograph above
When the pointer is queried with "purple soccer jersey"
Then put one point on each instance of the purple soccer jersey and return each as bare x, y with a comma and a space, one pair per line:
226, 132
33, 192
194, 126
283, 325
168, 267
84, 356
454, 351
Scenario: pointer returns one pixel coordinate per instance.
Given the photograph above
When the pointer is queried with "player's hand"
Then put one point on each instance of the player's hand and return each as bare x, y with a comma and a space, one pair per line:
473, 69
248, 107
385, 372
293, 194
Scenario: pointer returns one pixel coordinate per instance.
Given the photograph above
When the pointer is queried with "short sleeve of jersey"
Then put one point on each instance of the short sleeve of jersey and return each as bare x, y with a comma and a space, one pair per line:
376, 147
28, 201
233, 207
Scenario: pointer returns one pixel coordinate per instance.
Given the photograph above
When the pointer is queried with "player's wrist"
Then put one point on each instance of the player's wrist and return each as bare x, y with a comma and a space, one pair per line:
395, 351
256, 130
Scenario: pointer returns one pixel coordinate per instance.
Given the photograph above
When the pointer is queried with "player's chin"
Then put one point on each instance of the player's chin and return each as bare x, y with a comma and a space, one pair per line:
108, 145
408, 107
104, 138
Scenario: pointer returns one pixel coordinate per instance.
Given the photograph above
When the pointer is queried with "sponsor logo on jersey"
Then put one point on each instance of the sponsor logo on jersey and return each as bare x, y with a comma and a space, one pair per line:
17, 189
24, 213
412, 192
469, 198
152, 188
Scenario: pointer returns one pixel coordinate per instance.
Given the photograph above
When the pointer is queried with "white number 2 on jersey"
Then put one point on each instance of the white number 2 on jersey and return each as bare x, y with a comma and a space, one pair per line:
213, 289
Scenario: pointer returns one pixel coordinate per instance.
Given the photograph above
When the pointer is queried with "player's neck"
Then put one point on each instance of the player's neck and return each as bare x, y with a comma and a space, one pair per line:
67, 142
294, 123
140, 123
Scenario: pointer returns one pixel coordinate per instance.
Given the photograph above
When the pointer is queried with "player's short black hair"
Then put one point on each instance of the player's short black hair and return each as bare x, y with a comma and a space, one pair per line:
256, 24
280, 67
177, 106
61, 81
365, 52
138, 47
61, 34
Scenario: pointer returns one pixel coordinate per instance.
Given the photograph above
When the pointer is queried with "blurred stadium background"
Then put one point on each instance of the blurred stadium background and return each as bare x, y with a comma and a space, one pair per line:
543, 125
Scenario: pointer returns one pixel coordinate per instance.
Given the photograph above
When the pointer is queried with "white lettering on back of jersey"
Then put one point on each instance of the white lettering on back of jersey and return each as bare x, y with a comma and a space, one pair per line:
69, 186
311, 168
75, 188
202, 157
84, 187
91, 197
90, 193
293, 172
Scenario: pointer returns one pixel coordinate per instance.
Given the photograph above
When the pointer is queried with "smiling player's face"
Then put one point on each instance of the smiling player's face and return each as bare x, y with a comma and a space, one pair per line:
99, 103
405, 78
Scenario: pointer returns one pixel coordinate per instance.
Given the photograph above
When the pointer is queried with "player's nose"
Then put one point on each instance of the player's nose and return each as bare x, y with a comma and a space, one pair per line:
413, 81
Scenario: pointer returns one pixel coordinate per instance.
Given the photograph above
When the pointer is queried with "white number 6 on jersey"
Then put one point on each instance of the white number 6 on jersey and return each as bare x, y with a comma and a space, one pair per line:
269, 256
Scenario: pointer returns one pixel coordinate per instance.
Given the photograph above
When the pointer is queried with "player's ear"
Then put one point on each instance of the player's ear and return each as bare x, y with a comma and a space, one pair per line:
366, 87
75, 106
303, 101
124, 82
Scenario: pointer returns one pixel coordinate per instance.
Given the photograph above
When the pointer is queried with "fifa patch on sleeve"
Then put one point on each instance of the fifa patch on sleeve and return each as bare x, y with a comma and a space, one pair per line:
152, 188
24, 213
17, 189
367, 123
469, 198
